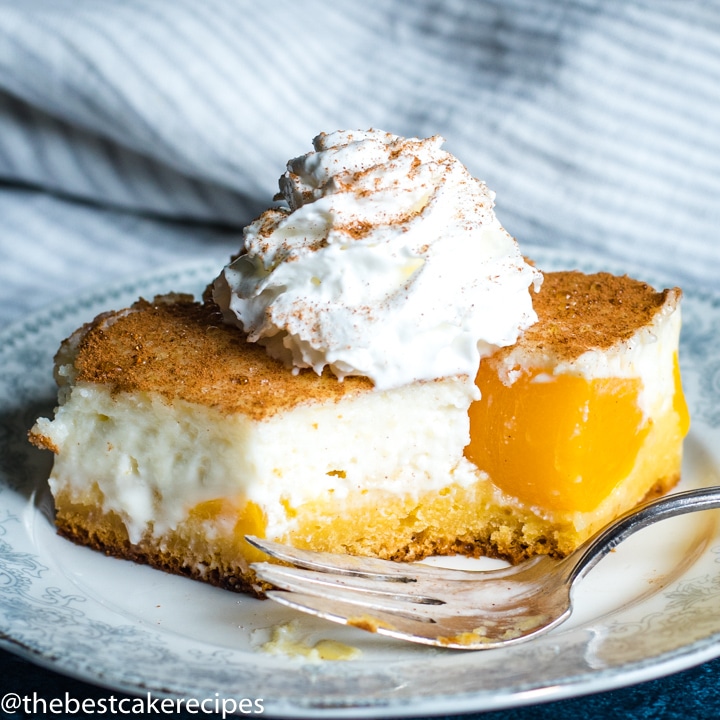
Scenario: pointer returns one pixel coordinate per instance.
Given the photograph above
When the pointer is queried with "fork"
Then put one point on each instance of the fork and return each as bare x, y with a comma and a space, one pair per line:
469, 610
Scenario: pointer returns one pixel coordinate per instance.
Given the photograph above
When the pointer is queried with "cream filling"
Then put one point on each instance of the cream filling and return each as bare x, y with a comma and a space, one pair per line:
154, 461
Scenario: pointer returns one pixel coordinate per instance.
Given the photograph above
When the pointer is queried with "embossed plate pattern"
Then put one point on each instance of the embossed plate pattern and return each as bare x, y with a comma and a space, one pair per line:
649, 609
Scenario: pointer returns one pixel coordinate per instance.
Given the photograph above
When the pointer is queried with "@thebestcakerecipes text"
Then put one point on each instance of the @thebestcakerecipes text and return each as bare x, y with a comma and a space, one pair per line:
32, 704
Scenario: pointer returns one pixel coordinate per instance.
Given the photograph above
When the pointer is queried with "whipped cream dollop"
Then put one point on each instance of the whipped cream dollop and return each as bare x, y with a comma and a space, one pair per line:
387, 261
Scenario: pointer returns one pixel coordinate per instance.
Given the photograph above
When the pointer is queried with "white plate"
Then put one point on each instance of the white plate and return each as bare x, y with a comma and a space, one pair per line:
648, 609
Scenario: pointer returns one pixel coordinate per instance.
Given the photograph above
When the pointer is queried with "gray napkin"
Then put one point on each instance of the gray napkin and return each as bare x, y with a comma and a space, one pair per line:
597, 123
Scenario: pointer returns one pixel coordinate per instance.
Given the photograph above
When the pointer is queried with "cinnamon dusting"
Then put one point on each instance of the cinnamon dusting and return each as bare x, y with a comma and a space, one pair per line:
183, 350
578, 312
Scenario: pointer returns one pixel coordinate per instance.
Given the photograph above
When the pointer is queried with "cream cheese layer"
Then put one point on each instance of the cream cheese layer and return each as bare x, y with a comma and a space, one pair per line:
153, 461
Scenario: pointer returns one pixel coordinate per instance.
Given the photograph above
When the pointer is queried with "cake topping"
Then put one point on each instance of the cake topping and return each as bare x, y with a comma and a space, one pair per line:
581, 313
181, 350
385, 261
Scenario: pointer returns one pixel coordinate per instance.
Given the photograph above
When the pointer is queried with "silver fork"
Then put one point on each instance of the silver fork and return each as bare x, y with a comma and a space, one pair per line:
468, 610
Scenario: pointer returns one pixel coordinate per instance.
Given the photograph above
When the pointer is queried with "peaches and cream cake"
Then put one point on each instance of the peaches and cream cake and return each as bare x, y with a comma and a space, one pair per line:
379, 371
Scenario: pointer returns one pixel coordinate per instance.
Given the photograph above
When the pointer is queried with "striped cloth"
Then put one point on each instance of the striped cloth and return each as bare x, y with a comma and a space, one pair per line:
140, 133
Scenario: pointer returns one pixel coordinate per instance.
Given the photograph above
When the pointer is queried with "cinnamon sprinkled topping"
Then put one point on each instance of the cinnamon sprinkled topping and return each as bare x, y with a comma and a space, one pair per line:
358, 229
579, 312
183, 350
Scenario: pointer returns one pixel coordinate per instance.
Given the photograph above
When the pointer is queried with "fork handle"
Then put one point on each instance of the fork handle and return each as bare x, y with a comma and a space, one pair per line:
589, 553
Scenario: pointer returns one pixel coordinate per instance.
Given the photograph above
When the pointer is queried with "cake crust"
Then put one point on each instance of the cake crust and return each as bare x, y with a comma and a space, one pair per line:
182, 552
181, 349
578, 312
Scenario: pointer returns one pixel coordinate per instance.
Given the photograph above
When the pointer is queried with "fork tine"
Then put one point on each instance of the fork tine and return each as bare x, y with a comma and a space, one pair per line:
388, 570
355, 591
332, 562
303, 577
344, 613
464, 635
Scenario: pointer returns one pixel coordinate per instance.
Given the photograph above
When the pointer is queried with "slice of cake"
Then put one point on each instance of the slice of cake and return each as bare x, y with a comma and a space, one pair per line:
176, 438
374, 373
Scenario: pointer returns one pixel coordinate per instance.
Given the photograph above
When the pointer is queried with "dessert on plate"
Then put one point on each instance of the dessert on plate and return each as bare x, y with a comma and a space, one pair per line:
378, 371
